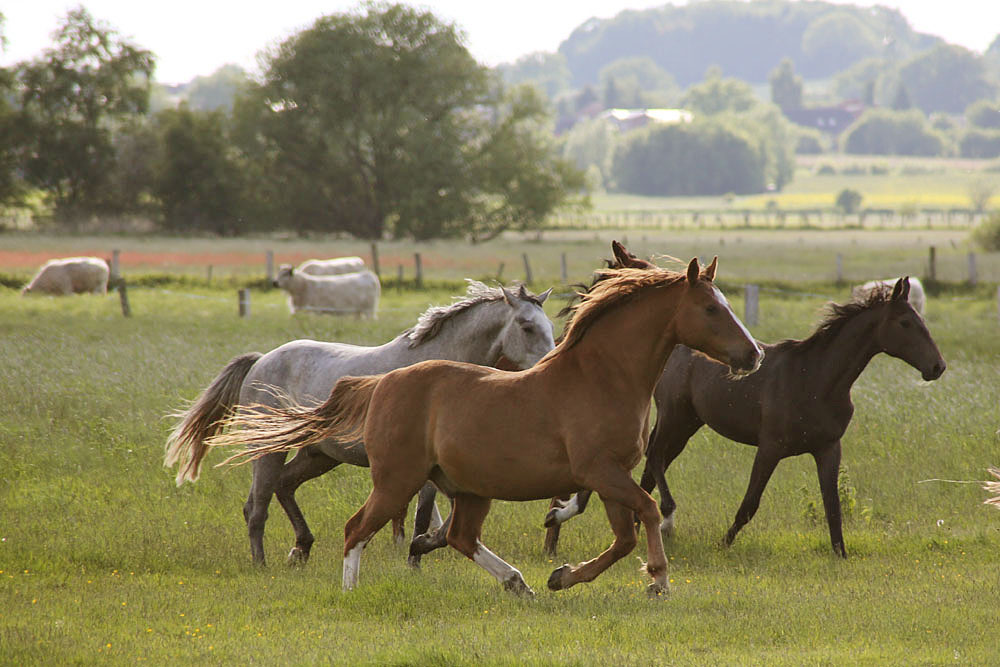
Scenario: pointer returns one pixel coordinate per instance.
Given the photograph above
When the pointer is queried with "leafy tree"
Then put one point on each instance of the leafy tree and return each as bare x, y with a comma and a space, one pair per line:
700, 158
548, 71
71, 99
839, 39
216, 91
848, 200
197, 178
383, 123
885, 132
591, 145
717, 94
640, 82
946, 78
978, 142
901, 102
984, 114
786, 87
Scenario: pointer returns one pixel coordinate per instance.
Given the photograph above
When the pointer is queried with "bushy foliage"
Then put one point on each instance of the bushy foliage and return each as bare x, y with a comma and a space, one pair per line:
946, 78
977, 142
886, 132
701, 158
984, 114
987, 233
848, 200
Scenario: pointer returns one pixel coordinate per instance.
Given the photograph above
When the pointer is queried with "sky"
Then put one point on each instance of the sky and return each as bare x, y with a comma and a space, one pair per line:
192, 38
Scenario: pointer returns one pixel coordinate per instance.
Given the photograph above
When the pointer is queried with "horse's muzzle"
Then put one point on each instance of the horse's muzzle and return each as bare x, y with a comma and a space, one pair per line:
935, 372
747, 363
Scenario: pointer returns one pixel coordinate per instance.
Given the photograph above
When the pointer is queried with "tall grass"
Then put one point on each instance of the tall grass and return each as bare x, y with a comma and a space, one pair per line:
104, 559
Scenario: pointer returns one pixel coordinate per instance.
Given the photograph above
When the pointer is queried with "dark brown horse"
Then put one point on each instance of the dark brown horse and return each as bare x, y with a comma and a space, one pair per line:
574, 421
798, 402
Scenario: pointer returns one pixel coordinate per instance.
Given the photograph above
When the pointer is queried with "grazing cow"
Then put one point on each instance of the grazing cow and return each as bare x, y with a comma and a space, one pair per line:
332, 267
916, 297
355, 293
72, 275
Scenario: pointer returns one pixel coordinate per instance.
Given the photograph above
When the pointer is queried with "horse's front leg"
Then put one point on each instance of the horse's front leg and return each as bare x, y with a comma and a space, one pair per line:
623, 500
763, 467
308, 463
828, 469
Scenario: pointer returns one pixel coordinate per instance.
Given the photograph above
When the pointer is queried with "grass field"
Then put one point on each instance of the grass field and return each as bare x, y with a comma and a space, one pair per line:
104, 560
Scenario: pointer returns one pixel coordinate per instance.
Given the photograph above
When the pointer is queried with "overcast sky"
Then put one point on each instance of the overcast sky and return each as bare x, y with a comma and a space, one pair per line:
193, 38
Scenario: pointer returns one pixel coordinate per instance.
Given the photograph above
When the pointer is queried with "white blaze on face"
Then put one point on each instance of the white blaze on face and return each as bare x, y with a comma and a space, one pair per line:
722, 298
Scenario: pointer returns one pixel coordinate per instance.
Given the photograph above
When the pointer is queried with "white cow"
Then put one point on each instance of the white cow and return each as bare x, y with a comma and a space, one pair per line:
332, 267
916, 297
355, 293
71, 275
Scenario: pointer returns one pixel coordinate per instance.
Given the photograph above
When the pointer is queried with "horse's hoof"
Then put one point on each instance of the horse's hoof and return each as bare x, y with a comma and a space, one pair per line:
555, 582
517, 586
550, 518
656, 590
399, 539
414, 561
297, 557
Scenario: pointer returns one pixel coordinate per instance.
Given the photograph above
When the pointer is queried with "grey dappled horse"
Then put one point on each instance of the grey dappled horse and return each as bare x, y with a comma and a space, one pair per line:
487, 324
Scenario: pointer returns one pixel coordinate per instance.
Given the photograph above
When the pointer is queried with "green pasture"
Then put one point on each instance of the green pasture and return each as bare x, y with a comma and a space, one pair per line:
104, 560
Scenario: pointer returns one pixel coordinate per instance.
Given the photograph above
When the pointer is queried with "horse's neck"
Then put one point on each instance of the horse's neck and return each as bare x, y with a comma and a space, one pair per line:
845, 355
469, 336
628, 347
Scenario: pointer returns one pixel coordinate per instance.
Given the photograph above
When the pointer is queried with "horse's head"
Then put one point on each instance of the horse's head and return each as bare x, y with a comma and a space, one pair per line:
901, 333
706, 323
526, 336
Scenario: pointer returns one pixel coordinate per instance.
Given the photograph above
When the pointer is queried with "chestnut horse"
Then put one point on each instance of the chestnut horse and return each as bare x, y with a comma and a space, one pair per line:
576, 420
799, 402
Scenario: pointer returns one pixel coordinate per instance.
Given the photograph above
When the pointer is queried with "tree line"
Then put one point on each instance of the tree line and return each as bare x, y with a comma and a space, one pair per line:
378, 124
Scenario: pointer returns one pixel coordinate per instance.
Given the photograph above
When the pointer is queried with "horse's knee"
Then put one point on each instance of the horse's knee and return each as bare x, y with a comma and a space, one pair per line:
463, 544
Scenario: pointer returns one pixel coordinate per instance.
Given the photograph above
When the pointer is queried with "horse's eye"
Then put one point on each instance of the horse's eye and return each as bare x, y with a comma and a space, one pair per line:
711, 309
527, 328
905, 324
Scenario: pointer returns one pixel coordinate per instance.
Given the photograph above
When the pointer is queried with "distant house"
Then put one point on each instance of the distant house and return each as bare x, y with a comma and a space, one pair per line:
832, 120
631, 119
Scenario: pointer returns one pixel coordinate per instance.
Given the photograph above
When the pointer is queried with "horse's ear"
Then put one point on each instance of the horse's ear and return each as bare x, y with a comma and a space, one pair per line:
901, 290
522, 292
709, 271
693, 271
620, 253
544, 295
507, 295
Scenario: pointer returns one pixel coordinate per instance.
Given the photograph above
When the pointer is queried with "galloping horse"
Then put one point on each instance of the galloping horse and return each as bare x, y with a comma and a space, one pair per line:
491, 325
576, 420
798, 402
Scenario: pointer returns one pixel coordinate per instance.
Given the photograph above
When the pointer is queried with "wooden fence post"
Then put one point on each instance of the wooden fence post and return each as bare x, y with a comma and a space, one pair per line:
840, 268
399, 279
123, 297
752, 305
998, 301
244, 302
932, 264
269, 258
973, 273
564, 272
420, 270
500, 273
115, 266
527, 269
375, 266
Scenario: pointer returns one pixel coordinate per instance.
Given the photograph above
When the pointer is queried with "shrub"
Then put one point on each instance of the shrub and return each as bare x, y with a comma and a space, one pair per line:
848, 200
987, 233
885, 132
979, 143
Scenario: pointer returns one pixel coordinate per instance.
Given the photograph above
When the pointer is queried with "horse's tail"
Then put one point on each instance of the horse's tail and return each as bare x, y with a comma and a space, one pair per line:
205, 418
266, 430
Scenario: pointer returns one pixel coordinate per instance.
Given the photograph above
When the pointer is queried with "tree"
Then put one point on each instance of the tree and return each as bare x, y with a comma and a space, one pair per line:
197, 178
946, 78
984, 114
548, 71
383, 123
639, 82
838, 39
901, 102
700, 158
786, 87
885, 132
71, 99
848, 200
216, 91
717, 94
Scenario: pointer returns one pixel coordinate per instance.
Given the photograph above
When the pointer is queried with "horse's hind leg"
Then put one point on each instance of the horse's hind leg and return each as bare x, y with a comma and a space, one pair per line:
560, 511
466, 525
266, 472
426, 539
308, 463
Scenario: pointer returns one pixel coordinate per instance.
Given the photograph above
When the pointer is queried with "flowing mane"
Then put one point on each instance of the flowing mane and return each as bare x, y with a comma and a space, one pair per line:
611, 288
836, 315
430, 322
